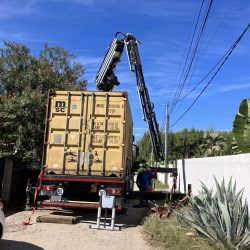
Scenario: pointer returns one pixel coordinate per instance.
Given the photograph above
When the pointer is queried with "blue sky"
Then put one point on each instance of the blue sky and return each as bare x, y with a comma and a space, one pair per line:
86, 27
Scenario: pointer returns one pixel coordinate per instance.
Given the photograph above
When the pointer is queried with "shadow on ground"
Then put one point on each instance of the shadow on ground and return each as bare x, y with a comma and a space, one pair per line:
17, 245
132, 217
10, 209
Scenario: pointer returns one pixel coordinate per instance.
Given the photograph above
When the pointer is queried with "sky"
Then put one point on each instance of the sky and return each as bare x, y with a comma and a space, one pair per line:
164, 28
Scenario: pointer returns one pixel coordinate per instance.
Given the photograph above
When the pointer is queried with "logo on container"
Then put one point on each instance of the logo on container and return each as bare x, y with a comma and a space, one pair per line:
60, 106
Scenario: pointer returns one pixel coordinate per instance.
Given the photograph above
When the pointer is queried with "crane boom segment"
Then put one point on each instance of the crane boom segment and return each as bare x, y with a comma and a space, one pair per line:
106, 81
105, 78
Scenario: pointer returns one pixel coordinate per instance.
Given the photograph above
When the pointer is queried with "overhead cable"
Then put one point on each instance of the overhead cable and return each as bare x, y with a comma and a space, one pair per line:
184, 76
188, 53
228, 53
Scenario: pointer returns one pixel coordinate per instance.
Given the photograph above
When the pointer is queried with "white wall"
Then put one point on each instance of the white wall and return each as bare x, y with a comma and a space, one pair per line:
161, 177
203, 169
165, 178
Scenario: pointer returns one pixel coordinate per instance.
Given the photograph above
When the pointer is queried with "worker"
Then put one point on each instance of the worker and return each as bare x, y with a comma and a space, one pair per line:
144, 178
151, 176
143, 182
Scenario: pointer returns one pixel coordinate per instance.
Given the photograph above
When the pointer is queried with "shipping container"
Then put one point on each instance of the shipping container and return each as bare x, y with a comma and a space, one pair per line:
88, 147
88, 133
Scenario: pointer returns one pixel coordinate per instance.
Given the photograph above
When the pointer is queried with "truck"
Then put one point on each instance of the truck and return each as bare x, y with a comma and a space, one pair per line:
88, 143
88, 146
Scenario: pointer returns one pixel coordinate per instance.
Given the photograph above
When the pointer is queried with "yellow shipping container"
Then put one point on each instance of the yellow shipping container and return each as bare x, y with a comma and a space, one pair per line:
88, 133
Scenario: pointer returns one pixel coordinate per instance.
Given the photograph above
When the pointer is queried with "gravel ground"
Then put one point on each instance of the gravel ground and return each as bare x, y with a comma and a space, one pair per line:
78, 236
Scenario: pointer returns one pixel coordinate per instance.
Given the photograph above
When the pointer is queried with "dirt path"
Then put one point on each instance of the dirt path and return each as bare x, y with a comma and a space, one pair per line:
62, 236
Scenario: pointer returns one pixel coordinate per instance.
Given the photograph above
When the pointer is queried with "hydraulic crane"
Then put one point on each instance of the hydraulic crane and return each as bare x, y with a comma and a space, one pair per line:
106, 81
75, 176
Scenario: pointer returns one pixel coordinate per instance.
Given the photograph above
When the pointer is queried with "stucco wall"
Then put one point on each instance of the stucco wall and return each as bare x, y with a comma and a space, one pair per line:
203, 169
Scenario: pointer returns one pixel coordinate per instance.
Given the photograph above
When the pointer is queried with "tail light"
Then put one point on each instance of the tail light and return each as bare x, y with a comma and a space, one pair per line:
114, 191
48, 187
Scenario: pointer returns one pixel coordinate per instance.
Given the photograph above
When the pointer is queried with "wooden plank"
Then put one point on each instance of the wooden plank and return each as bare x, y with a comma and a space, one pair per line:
57, 219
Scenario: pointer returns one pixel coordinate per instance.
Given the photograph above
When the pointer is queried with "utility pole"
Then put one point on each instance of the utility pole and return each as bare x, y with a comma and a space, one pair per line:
166, 141
166, 136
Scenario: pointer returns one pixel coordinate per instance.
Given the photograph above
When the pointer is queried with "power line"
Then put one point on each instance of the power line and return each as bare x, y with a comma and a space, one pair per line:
229, 52
187, 45
190, 66
199, 38
189, 50
221, 23
207, 45
210, 71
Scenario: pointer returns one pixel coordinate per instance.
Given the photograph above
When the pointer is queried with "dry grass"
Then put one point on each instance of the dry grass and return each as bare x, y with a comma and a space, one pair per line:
159, 185
171, 234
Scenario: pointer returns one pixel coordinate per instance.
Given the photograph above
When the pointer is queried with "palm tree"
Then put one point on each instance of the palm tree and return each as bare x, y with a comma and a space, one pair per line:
213, 144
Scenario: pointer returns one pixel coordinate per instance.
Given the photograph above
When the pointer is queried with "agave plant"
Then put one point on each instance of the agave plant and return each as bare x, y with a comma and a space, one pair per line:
221, 215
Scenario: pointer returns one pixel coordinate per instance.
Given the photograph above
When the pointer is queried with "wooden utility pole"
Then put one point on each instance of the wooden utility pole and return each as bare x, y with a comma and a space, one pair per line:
166, 141
166, 136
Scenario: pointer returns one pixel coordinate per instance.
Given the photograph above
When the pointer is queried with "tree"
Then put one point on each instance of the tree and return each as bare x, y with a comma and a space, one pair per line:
24, 82
214, 144
145, 148
185, 144
190, 144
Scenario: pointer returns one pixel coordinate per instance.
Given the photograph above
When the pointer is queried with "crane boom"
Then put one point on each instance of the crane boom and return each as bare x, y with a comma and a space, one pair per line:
106, 81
